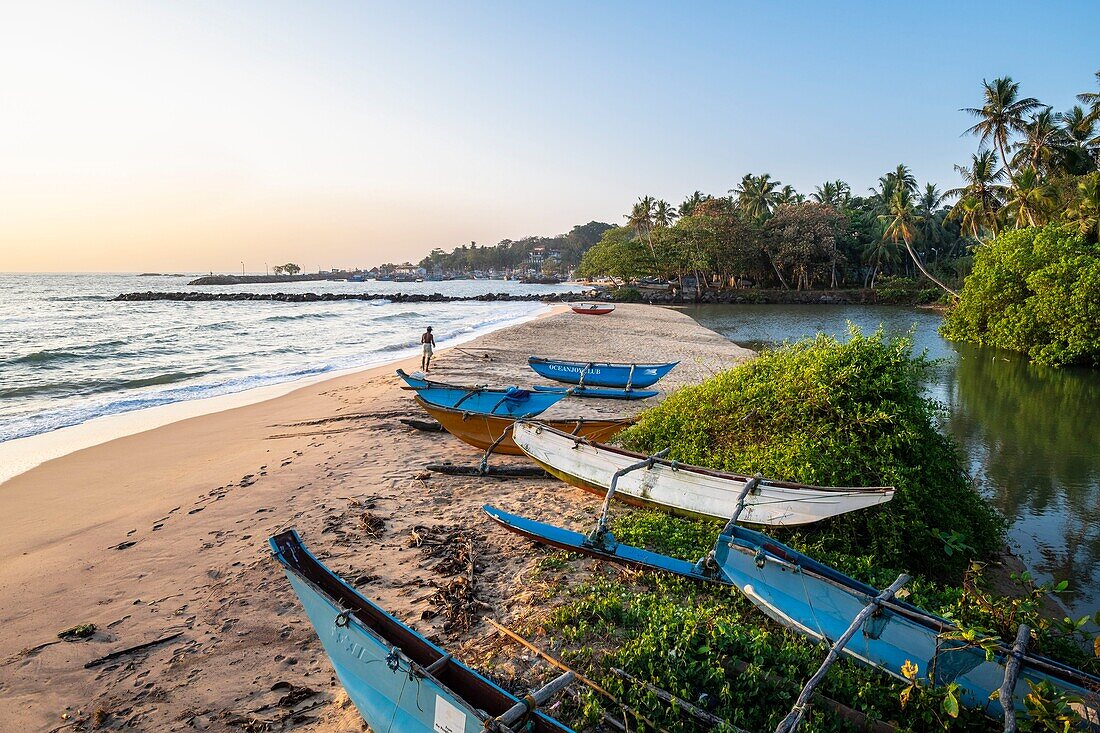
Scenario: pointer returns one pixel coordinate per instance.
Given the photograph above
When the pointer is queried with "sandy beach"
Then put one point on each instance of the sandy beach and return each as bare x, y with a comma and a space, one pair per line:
164, 533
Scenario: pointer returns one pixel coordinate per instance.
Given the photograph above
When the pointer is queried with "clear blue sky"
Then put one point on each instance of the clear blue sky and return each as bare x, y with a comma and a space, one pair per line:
197, 135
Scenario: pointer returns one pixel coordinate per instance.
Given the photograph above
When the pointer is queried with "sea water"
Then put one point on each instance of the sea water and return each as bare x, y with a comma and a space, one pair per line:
69, 354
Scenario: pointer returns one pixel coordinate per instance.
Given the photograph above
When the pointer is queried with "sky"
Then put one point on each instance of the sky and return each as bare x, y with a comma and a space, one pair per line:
197, 136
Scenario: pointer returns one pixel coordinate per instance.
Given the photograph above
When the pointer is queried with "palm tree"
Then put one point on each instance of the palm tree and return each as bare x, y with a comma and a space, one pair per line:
1078, 129
901, 226
640, 219
879, 253
971, 214
1002, 114
982, 184
756, 195
691, 202
832, 193
929, 204
1030, 199
1091, 99
1084, 214
1042, 135
663, 214
787, 195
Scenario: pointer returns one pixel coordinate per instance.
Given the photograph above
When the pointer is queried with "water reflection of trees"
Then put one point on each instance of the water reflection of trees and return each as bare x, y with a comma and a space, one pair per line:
1032, 436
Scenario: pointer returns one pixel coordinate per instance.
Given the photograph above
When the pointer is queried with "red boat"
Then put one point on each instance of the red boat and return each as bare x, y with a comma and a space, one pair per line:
592, 309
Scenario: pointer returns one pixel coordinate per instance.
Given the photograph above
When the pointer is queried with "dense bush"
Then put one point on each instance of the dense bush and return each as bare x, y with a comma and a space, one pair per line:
837, 413
1036, 291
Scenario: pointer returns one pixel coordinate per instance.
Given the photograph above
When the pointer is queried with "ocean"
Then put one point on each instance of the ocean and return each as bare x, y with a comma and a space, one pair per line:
70, 355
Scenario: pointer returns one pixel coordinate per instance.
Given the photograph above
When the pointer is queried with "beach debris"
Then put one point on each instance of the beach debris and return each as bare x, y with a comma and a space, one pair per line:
80, 631
450, 550
294, 694
372, 524
123, 545
131, 650
428, 426
452, 469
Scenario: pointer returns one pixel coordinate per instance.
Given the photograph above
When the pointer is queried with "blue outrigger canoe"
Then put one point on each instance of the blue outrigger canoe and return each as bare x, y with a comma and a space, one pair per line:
397, 679
600, 374
607, 393
501, 401
820, 602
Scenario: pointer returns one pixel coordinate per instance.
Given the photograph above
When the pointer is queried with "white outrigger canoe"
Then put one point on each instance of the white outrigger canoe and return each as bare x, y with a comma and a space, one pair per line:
687, 490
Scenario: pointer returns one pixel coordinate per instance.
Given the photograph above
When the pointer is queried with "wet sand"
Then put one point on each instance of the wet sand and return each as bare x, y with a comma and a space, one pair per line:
164, 532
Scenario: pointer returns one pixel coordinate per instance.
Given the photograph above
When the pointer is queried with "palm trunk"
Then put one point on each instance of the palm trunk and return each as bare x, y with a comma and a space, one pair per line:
926, 273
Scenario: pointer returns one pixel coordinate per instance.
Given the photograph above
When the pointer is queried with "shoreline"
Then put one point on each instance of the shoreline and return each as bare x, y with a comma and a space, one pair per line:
163, 532
20, 455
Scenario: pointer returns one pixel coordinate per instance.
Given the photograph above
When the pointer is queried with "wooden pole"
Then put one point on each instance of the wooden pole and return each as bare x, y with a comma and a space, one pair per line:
644, 463
749, 486
789, 723
534, 699
580, 677
1012, 673
684, 705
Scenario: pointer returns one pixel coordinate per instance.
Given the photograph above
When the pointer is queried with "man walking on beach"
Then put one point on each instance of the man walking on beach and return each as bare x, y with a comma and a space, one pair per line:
429, 344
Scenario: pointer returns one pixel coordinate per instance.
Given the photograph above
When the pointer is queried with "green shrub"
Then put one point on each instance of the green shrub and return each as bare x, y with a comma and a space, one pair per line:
1036, 291
834, 413
626, 295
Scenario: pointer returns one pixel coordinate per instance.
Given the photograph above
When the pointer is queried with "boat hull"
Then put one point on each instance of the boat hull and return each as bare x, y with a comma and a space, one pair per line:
592, 309
600, 374
382, 663
481, 431
687, 490
510, 402
820, 602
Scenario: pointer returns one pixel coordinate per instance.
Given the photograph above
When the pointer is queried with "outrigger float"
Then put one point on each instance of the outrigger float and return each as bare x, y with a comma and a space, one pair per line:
683, 489
867, 624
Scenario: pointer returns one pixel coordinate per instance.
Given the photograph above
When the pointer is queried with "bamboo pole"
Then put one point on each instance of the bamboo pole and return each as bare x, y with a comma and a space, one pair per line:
580, 677
1012, 673
534, 699
789, 723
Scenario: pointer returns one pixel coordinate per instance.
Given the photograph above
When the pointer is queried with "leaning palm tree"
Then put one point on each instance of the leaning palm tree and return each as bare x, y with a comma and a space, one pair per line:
1001, 115
1042, 137
901, 226
1030, 199
756, 195
982, 184
663, 214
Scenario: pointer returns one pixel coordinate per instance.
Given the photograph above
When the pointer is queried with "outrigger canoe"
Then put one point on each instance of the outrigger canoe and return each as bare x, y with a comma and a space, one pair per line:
683, 489
507, 401
600, 374
606, 393
820, 603
592, 309
482, 431
397, 679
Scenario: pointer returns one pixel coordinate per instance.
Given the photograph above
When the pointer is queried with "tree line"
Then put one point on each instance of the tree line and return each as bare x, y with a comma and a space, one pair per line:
514, 254
1033, 167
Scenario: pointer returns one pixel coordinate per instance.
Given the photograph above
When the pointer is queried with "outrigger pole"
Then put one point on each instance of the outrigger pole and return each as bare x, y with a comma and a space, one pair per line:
601, 538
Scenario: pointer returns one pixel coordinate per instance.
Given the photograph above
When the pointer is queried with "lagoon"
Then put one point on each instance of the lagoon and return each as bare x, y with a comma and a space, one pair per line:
1030, 434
